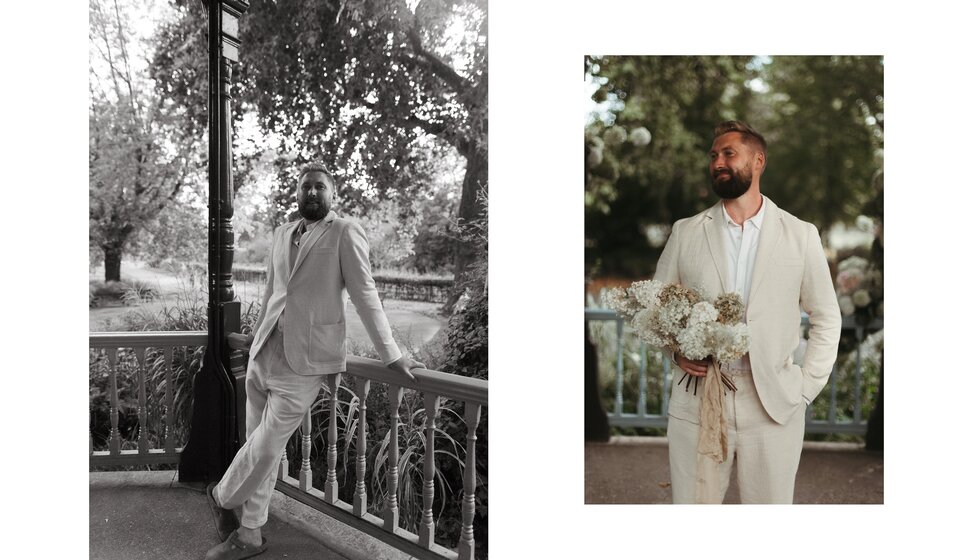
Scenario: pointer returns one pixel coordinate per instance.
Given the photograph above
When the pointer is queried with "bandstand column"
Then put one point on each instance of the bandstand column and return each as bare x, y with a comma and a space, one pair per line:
217, 423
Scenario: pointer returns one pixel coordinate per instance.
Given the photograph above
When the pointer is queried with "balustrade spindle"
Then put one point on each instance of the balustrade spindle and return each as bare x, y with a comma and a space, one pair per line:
168, 405
283, 466
467, 544
641, 404
143, 443
856, 417
832, 414
427, 527
619, 367
391, 504
362, 387
305, 473
114, 440
330, 487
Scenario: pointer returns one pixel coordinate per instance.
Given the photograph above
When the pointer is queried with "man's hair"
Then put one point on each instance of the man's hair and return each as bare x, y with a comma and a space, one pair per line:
749, 135
312, 167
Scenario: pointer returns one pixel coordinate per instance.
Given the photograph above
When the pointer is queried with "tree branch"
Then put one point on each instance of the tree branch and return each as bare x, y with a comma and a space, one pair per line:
442, 70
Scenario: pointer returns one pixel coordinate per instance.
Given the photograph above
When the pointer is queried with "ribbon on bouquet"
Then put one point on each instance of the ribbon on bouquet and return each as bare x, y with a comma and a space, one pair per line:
712, 437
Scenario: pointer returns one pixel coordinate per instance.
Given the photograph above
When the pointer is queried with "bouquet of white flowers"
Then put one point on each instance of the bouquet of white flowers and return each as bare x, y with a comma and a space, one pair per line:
681, 320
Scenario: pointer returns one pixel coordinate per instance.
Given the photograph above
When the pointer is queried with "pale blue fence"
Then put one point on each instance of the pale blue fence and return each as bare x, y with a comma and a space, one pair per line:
835, 419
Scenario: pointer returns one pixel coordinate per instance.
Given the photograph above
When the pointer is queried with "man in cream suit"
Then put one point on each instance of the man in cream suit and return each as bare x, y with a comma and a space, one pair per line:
300, 337
776, 262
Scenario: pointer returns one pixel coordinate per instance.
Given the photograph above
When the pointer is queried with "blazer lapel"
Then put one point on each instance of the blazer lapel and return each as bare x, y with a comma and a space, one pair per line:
714, 231
311, 239
769, 239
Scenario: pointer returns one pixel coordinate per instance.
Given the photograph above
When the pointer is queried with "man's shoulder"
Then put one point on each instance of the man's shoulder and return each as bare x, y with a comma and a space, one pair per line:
286, 226
791, 221
692, 221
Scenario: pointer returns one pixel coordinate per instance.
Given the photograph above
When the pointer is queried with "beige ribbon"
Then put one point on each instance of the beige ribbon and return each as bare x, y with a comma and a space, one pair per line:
712, 438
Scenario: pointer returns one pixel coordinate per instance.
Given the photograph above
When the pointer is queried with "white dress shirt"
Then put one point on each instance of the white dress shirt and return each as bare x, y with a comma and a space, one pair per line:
742, 245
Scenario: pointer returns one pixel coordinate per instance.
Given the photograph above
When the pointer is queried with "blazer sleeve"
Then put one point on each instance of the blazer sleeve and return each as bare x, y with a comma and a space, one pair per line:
819, 300
668, 267
355, 267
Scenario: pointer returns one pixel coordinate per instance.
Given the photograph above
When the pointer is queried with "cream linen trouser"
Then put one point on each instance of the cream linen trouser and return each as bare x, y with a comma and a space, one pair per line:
278, 400
766, 454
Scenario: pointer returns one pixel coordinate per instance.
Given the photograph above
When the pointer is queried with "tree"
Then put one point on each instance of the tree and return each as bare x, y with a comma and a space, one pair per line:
358, 84
647, 165
822, 116
135, 166
824, 120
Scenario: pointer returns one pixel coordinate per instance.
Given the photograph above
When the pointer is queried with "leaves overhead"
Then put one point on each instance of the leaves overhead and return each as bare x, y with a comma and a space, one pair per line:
823, 118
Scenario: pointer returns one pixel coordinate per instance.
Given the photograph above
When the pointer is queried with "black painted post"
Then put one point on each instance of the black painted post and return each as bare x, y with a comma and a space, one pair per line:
216, 430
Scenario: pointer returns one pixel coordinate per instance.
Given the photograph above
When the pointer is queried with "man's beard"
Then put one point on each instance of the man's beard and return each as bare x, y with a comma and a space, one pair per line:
737, 183
313, 212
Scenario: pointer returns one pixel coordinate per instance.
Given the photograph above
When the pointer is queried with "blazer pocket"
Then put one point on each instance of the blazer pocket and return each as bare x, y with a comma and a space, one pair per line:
328, 343
323, 250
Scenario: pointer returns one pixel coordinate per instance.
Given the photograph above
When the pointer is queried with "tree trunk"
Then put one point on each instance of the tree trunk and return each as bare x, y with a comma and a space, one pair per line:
113, 262
469, 211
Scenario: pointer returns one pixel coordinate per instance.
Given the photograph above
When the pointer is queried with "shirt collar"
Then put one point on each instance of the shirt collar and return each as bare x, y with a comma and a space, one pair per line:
754, 220
299, 227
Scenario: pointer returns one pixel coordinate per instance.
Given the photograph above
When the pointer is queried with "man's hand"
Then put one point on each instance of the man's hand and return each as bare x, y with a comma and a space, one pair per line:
240, 341
404, 365
697, 368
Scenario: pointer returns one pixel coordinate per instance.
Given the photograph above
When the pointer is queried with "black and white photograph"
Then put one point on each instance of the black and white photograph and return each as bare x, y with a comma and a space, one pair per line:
288, 279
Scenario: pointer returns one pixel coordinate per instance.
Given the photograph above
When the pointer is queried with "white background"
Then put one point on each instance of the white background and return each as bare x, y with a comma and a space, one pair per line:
536, 284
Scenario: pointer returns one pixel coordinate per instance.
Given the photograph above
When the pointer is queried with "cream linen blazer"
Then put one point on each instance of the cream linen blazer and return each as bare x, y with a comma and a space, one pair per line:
790, 272
331, 264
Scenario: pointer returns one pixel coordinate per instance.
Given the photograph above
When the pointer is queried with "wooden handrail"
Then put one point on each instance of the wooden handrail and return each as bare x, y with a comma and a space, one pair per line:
146, 338
450, 386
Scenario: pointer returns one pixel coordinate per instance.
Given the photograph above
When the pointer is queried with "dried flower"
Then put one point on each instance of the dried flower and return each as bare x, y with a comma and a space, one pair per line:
679, 318
730, 308
846, 305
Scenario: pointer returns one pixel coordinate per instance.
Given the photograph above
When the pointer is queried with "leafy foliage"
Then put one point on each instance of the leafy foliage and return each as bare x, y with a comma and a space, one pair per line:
137, 164
374, 88
645, 156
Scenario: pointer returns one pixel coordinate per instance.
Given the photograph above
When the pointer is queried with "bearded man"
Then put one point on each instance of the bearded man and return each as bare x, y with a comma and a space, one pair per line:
300, 337
776, 263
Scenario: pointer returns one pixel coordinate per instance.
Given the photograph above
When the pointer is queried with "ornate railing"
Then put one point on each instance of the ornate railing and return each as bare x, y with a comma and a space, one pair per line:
434, 387
643, 418
112, 354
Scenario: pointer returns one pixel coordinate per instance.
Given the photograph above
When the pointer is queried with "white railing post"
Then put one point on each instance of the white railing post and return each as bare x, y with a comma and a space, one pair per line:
330, 487
427, 526
143, 443
168, 405
362, 387
115, 443
467, 544
305, 472
391, 504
